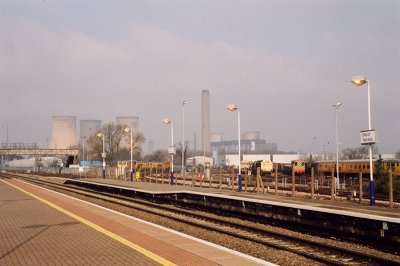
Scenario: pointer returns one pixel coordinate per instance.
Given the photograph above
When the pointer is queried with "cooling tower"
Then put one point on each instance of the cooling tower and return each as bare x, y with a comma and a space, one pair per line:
130, 121
88, 128
63, 133
215, 137
251, 135
205, 121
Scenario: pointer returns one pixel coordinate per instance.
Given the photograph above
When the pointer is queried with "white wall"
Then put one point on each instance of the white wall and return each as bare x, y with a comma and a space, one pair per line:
232, 160
256, 157
284, 158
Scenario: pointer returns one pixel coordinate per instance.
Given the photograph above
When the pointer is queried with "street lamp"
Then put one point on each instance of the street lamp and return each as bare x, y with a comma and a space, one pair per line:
336, 106
171, 149
233, 108
101, 135
130, 130
359, 81
183, 138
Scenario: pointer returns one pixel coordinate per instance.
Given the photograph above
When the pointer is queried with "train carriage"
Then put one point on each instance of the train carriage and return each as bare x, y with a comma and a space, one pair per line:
355, 167
266, 167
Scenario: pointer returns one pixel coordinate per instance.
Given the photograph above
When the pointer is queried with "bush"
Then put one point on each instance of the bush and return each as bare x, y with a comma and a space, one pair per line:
382, 185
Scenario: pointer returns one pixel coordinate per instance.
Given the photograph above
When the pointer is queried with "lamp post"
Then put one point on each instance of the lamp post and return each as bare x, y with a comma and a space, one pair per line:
336, 106
131, 171
101, 135
232, 108
359, 81
171, 149
183, 138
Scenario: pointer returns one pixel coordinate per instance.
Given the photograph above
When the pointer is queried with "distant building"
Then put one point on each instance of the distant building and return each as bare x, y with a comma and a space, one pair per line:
246, 146
250, 142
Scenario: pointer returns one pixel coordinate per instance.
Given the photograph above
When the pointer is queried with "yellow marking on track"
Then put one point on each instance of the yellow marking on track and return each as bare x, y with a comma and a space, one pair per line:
120, 239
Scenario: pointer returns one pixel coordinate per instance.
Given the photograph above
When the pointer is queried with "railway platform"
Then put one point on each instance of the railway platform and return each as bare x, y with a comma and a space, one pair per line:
41, 227
372, 224
283, 197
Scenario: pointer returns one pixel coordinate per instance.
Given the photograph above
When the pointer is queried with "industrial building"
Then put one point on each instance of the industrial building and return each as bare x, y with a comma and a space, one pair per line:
250, 143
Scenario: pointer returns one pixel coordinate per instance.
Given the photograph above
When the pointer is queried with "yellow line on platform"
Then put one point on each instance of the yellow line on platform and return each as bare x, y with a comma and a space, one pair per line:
120, 239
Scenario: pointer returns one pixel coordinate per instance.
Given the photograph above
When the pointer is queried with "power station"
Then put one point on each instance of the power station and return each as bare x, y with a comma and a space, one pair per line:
130, 121
63, 133
205, 121
87, 129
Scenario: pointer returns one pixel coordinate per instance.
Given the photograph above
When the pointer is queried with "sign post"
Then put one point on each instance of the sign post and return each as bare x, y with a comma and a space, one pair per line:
369, 137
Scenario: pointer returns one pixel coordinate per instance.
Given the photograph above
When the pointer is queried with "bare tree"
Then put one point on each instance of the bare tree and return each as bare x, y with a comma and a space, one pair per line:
157, 156
357, 153
116, 142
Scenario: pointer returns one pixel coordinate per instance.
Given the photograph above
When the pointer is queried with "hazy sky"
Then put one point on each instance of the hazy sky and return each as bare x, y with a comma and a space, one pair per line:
284, 63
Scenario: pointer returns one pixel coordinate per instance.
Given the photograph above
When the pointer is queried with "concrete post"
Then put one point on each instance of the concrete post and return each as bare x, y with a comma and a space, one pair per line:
201, 179
293, 183
276, 180
333, 184
312, 182
233, 179
209, 179
220, 179
184, 177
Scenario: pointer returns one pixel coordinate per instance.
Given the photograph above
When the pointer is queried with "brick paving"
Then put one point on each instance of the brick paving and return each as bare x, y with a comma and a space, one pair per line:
32, 233
53, 238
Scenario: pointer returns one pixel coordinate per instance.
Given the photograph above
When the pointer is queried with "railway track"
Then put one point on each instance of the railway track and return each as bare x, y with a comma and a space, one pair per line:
321, 250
